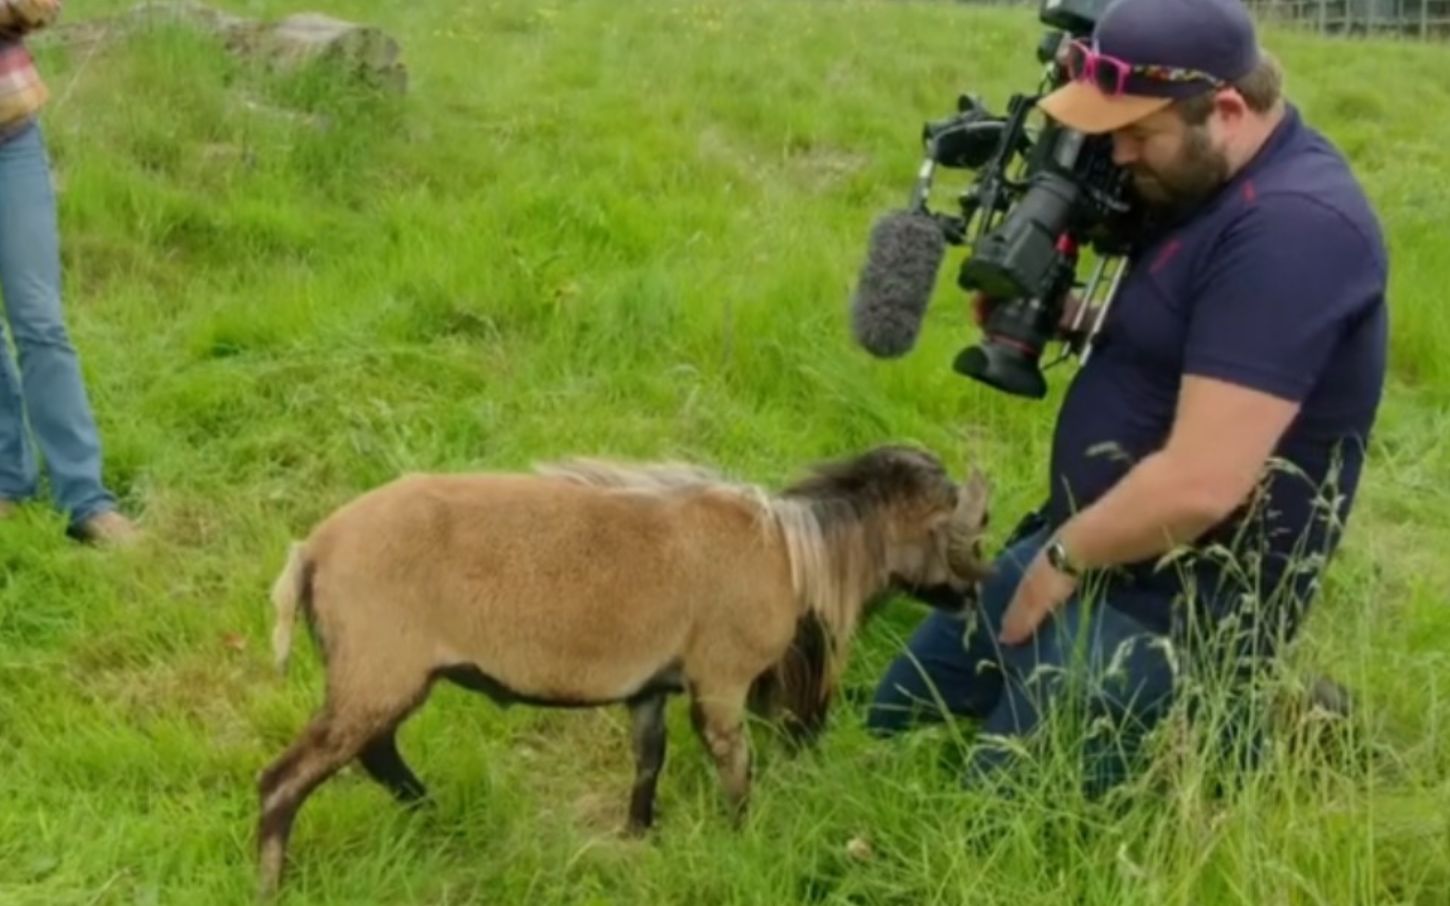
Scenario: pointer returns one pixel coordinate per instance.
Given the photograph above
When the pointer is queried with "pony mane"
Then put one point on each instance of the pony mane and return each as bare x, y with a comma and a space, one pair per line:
833, 557
836, 550
832, 544
664, 478
834, 522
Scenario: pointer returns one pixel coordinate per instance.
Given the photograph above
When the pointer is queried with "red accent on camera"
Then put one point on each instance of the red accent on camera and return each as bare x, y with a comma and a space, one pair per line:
1015, 344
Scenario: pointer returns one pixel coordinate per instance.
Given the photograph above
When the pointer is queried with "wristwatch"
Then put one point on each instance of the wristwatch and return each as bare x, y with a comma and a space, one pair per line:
1061, 561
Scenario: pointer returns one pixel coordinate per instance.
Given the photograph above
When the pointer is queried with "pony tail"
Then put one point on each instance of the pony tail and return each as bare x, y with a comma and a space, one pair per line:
291, 588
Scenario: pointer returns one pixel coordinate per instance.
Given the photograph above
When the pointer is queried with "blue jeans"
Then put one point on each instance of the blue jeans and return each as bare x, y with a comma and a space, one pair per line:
47, 389
1088, 653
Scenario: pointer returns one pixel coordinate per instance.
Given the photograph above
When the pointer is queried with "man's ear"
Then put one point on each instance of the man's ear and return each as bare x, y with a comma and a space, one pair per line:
1230, 105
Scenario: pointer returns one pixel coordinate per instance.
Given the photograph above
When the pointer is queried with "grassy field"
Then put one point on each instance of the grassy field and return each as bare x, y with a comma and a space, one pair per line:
631, 229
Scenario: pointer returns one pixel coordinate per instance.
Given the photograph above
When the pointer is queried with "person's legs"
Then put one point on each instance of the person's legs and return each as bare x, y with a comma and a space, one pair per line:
17, 461
937, 675
1118, 675
1233, 654
49, 380
951, 661
1110, 664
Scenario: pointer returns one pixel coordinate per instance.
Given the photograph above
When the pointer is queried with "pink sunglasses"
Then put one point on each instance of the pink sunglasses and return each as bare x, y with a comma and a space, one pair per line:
1110, 74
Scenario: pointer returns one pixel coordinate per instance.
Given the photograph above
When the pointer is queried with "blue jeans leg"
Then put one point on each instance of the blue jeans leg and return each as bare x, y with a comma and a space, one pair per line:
951, 663
1117, 675
1119, 668
47, 390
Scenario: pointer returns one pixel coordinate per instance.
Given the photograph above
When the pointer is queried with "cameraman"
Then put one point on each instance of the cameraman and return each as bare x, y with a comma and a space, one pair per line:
1248, 336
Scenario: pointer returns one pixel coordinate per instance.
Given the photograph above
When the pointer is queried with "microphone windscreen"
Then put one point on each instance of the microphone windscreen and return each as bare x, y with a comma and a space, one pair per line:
895, 285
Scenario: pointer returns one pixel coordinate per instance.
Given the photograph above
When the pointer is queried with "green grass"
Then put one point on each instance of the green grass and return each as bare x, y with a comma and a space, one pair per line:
631, 229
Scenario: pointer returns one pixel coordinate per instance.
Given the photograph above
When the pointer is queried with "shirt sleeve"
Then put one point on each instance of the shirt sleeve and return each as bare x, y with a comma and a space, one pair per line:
1276, 293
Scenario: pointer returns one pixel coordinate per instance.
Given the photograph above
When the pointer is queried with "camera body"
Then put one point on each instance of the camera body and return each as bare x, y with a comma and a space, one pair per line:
1038, 200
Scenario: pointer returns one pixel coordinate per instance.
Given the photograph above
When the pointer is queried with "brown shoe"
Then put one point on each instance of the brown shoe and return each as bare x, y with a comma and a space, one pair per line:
109, 529
8, 508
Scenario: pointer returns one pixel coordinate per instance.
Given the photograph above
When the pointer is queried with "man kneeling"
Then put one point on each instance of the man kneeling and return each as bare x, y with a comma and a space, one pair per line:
1227, 406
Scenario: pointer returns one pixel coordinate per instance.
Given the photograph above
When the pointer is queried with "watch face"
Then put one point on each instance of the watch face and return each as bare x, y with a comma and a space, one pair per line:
1057, 556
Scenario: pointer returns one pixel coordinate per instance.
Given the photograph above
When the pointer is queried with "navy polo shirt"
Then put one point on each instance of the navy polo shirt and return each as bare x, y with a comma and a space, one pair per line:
1277, 284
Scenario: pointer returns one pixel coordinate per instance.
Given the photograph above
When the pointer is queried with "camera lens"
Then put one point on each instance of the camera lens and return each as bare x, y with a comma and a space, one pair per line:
1019, 257
1006, 358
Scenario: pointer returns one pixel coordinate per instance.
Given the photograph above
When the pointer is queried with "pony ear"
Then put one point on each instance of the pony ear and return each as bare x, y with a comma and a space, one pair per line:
973, 501
968, 523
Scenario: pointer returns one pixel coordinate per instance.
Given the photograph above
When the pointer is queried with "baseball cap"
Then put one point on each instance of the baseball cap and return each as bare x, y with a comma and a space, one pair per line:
1145, 54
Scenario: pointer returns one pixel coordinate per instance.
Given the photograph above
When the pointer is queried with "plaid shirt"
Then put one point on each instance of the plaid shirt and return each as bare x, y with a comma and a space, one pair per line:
22, 91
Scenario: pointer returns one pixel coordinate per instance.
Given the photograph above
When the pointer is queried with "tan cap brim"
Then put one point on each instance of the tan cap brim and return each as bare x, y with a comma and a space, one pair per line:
1081, 106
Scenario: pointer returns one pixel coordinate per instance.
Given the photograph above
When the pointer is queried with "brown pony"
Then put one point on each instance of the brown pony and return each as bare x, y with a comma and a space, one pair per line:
591, 583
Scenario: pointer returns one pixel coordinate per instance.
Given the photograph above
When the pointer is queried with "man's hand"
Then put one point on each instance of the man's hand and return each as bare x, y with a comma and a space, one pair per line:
1042, 590
982, 305
1220, 442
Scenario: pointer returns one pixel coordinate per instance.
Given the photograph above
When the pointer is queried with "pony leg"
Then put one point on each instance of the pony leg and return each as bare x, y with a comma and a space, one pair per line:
337, 734
381, 759
325, 746
719, 718
647, 715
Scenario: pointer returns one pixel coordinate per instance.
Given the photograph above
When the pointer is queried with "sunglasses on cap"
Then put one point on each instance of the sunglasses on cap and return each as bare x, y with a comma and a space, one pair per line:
1110, 75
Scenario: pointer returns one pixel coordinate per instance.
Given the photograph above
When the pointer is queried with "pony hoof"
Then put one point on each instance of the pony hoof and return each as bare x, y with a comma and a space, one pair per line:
420, 805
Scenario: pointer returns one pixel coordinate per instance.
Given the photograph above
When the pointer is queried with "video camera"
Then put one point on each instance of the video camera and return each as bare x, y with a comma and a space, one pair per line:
1036, 203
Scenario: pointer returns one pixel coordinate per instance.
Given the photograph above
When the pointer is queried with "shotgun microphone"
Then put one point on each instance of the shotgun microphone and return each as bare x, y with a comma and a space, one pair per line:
895, 284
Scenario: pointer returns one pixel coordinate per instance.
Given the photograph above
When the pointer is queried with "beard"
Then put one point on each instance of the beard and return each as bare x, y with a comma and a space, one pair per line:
1175, 191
